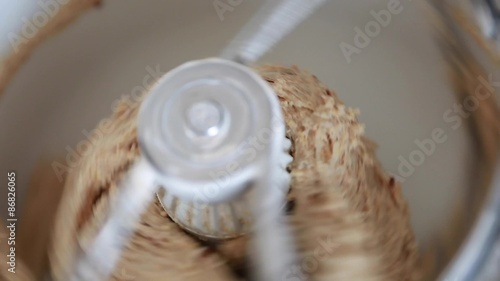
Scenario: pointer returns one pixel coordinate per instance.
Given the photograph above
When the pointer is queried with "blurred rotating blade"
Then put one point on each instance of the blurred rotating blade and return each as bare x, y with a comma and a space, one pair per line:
137, 191
273, 248
274, 243
271, 24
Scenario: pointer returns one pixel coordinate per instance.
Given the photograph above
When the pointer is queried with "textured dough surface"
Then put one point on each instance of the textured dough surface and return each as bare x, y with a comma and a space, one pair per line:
350, 220
158, 248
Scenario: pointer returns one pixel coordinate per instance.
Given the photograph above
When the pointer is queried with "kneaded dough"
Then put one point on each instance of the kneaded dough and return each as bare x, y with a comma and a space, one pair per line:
349, 218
